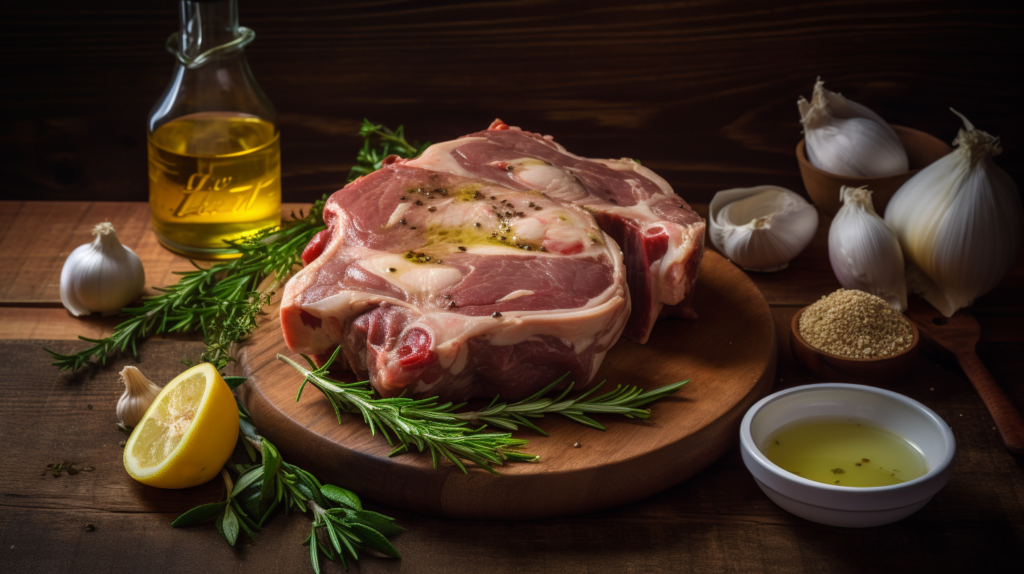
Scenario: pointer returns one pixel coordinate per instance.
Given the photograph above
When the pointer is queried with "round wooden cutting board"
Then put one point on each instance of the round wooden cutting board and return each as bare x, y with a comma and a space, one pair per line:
728, 353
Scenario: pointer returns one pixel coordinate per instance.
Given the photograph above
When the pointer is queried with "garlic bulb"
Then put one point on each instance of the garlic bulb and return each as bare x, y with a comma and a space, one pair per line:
864, 252
102, 276
846, 138
761, 228
138, 395
959, 223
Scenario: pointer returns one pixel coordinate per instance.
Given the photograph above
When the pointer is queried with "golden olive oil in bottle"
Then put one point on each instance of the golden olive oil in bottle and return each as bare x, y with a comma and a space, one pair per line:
213, 176
846, 453
214, 148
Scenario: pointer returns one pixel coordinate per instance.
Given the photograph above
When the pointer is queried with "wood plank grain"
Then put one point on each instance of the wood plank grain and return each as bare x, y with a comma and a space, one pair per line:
36, 238
52, 323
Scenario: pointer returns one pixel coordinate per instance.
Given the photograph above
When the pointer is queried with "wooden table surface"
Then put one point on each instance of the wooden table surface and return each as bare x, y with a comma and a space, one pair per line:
718, 521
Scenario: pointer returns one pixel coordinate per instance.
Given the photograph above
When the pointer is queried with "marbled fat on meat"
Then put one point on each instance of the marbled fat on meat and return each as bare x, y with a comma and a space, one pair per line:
661, 237
444, 284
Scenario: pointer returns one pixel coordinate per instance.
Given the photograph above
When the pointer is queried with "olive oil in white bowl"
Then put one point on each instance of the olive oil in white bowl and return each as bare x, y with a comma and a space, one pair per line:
849, 505
851, 452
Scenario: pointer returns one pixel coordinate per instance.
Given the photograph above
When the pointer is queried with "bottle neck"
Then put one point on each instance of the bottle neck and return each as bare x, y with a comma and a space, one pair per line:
206, 24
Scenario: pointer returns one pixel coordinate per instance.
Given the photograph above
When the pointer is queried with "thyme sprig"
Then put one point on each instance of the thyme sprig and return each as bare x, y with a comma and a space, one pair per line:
428, 424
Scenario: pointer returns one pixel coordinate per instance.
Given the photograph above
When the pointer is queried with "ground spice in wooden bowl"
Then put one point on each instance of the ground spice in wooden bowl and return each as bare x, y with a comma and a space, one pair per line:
854, 324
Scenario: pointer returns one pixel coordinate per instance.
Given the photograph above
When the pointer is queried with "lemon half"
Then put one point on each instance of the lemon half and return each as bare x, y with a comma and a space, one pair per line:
187, 434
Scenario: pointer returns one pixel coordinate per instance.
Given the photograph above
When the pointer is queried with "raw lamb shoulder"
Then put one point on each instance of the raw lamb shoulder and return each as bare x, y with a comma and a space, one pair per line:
446, 284
661, 237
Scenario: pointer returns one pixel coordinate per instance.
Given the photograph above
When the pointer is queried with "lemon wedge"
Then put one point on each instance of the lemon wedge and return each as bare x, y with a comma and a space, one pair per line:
187, 434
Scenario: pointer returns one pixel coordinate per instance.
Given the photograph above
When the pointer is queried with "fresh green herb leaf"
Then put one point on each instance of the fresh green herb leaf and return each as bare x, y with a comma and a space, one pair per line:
271, 462
201, 513
234, 382
375, 540
383, 524
342, 496
380, 142
313, 544
245, 480
227, 525
243, 519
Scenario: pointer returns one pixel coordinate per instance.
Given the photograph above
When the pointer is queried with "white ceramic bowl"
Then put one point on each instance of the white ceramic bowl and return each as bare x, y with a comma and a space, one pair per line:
841, 505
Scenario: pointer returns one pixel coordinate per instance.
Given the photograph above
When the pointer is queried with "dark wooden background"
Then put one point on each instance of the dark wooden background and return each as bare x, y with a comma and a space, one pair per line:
704, 92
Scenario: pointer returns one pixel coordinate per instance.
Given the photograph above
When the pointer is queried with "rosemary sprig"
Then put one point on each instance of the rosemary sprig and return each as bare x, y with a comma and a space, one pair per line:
409, 424
427, 424
626, 401
371, 157
221, 301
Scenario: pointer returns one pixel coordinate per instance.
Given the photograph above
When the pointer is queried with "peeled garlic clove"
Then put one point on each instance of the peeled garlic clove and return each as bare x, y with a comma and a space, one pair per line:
846, 138
761, 228
864, 252
139, 394
959, 222
102, 276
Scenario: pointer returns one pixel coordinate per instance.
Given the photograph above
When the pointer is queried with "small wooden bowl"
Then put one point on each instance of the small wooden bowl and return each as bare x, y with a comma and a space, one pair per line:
823, 187
843, 369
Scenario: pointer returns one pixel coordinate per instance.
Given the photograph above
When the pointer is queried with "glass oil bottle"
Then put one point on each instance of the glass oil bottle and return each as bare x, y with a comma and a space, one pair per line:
214, 147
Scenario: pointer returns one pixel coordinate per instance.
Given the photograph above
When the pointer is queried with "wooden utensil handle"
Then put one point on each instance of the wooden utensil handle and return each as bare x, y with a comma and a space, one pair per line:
1006, 417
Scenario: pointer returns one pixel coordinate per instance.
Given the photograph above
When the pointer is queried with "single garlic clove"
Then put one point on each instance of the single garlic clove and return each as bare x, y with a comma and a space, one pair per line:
761, 228
864, 253
139, 394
